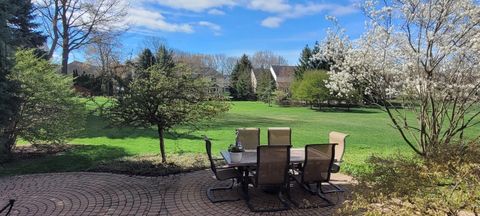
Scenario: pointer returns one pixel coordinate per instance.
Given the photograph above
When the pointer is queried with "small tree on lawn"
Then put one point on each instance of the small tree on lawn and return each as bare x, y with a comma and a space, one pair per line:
266, 87
312, 88
165, 97
49, 109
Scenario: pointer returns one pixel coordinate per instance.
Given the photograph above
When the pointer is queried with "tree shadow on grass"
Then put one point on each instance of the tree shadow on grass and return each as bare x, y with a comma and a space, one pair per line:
346, 111
98, 126
236, 121
151, 165
72, 158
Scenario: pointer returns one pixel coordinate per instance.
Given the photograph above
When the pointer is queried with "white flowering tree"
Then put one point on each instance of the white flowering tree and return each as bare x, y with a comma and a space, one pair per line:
424, 54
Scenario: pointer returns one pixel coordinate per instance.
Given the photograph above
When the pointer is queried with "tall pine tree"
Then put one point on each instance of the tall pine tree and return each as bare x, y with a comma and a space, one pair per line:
26, 35
240, 81
146, 59
317, 61
164, 57
304, 62
266, 87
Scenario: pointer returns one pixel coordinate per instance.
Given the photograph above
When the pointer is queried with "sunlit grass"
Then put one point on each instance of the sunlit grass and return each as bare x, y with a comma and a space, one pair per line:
369, 129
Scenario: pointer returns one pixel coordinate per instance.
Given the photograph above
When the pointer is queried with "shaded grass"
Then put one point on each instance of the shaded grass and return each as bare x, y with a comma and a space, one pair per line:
151, 165
369, 129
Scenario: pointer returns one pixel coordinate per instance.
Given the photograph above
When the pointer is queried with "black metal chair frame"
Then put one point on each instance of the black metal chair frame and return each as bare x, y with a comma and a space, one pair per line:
284, 187
214, 169
307, 185
9, 206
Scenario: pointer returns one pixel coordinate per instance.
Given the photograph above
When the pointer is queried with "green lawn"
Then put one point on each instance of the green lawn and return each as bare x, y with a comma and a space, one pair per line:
369, 129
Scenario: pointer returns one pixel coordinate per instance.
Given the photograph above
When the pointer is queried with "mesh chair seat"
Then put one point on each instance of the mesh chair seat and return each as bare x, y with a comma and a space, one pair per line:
273, 164
228, 173
316, 168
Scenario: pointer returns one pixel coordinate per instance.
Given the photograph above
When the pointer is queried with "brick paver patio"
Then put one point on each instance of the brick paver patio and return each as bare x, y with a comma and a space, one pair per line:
112, 194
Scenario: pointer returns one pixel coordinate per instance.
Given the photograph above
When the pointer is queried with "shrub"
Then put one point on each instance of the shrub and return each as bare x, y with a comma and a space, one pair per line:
49, 112
448, 184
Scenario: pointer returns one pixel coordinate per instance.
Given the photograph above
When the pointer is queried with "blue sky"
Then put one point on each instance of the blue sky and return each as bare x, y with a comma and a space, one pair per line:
234, 27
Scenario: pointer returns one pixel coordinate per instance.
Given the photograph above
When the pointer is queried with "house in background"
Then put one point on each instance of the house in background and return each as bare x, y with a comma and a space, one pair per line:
283, 76
219, 82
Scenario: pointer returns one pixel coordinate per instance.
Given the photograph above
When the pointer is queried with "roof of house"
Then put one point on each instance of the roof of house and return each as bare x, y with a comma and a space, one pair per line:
81, 68
284, 75
258, 71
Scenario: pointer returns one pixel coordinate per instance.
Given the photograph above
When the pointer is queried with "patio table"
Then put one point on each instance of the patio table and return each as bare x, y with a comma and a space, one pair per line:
249, 159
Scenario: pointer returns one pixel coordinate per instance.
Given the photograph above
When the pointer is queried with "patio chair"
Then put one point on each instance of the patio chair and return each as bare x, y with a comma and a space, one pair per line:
316, 169
273, 163
221, 174
280, 136
249, 137
339, 139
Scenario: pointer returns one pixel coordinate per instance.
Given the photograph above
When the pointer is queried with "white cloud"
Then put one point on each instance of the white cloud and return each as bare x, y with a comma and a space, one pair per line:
195, 5
153, 20
212, 26
272, 22
301, 10
280, 11
216, 12
273, 6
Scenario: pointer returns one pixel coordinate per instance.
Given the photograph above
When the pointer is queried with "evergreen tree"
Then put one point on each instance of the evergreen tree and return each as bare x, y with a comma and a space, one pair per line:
241, 86
164, 57
317, 61
304, 62
266, 87
16, 30
24, 32
145, 60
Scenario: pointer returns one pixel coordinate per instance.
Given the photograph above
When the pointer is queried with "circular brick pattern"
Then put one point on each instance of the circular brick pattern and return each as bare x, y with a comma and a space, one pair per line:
81, 194
112, 194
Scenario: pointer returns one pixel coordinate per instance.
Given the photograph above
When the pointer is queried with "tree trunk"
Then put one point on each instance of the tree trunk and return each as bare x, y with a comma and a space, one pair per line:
65, 39
65, 53
7, 142
162, 143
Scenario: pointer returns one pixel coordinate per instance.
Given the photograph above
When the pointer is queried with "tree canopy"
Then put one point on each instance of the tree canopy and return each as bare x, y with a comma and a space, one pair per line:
16, 31
50, 111
166, 97
312, 88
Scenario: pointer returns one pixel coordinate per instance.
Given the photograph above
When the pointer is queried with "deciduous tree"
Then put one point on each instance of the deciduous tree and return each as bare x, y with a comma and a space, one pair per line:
312, 88
265, 59
166, 97
426, 54
72, 24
